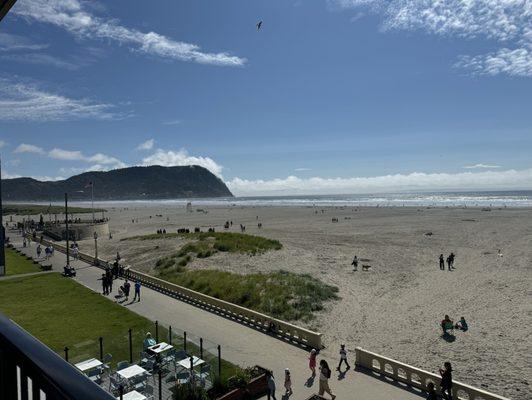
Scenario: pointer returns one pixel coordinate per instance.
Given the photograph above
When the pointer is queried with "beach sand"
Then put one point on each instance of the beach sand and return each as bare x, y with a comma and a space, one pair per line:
395, 307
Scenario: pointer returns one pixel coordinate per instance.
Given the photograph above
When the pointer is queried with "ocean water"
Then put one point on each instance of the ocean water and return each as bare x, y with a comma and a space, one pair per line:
425, 199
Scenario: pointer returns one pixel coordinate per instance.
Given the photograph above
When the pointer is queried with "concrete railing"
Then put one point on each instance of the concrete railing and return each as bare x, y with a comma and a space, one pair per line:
416, 377
257, 320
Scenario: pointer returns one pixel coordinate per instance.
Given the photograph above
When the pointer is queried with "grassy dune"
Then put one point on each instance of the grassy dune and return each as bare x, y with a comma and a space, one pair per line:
35, 209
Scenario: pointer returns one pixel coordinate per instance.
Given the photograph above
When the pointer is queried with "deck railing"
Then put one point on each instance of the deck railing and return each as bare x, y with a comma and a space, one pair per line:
30, 370
276, 327
416, 377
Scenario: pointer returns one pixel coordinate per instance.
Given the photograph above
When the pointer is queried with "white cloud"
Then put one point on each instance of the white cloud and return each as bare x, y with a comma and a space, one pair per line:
41, 59
172, 122
147, 145
28, 148
101, 161
9, 42
505, 21
481, 166
292, 185
71, 16
301, 169
26, 102
179, 158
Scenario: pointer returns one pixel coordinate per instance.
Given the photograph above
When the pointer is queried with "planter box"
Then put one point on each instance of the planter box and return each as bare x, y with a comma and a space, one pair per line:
256, 388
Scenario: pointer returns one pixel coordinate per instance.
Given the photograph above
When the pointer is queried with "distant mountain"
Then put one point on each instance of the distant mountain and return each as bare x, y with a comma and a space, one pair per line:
134, 183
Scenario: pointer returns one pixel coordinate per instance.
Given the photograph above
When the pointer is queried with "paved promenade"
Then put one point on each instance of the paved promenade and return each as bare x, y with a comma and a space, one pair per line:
242, 345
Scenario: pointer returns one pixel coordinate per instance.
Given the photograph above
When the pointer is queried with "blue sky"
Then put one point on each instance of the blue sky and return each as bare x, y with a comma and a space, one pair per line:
330, 96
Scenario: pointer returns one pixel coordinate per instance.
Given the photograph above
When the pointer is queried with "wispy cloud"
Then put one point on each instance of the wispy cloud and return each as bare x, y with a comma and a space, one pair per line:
9, 42
41, 59
301, 169
147, 145
505, 22
481, 166
169, 158
27, 102
29, 148
72, 16
293, 185
172, 122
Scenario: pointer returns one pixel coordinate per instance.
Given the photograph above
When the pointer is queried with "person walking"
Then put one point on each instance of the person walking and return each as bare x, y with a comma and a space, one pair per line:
312, 361
325, 374
446, 381
451, 256
287, 382
137, 291
343, 357
354, 263
449, 262
442, 263
127, 287
271, 386
39, 251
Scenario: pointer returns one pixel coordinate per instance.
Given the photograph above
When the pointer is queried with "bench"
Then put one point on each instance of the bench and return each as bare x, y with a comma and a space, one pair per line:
46, 267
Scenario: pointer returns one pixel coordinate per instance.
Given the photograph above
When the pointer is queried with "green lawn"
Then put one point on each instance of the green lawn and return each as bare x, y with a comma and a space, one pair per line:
17, 264
281, 294
34, 209
60, 312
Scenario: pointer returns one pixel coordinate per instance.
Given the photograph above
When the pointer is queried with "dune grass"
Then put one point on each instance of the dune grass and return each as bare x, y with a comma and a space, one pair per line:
151, 236
60, 312
34, 209
17, 264
205, 244
280, 294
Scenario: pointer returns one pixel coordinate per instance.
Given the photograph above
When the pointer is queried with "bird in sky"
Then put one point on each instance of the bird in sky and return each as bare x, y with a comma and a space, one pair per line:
259, 24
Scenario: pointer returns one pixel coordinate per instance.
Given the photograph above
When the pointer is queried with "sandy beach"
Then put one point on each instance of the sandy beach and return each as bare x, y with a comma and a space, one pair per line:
396, 306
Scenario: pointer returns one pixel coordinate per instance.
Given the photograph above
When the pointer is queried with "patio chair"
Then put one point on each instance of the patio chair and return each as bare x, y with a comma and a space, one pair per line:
122, 365
107, 361
115, 381
180, 355
95, 375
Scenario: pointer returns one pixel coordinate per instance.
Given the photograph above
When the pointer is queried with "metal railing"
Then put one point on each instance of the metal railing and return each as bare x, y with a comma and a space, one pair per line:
30, 370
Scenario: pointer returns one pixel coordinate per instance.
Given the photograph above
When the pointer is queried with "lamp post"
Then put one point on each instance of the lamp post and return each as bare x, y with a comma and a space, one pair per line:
95, 248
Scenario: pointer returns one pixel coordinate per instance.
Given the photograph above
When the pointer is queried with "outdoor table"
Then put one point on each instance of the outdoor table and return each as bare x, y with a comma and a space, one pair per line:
185, 363
132, 372
87, 365
160, 348
133, 395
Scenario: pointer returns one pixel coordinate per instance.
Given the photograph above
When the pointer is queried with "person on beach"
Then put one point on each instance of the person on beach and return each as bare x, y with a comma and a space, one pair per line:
462, 324
354, 263
287, 382
449, 262
137, 291
446, 381
442, 263
431, 392
271, 386
343, 357
446, 324
325, 374
451, 257
312, 361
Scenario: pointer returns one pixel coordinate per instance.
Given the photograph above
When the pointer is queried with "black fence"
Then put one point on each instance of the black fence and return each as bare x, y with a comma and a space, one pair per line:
29, 368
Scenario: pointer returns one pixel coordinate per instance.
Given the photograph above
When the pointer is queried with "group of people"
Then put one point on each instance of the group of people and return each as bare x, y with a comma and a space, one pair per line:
447, 324
48, 251
450, 262
161, 231
125, 289
325, 374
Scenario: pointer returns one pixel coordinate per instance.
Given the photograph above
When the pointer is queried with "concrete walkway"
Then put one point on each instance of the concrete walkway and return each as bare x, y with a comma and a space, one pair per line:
245, 346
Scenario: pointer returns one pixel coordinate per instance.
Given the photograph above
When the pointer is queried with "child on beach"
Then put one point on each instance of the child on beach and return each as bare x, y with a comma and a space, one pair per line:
287, 382
343, 357
312, 361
